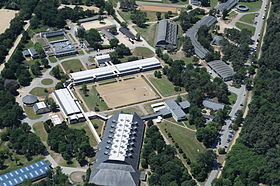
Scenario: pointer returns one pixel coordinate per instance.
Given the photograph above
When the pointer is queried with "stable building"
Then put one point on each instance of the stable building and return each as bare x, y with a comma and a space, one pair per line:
102, 59
125, 31
34, 172
222, 69
213, 105
199, 50
228, 5
112, 71
166, 35
68, 105
41, 108
117, 158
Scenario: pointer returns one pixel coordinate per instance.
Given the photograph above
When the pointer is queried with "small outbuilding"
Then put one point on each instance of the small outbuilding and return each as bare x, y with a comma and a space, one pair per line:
217, 40
29, 100
41, 108
30, 52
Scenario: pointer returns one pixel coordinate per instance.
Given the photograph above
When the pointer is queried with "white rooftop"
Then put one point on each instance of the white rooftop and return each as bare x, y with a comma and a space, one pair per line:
105, 56
121, 137
41, 105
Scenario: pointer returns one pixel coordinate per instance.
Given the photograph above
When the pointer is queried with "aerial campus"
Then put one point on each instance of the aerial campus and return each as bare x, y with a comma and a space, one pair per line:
130, 93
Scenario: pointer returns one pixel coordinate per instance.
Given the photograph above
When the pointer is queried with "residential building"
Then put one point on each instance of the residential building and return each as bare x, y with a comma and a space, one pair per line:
112, 71
41, 108
117, 158
177, 113
222, 69
34, 172
166, 35
68, 105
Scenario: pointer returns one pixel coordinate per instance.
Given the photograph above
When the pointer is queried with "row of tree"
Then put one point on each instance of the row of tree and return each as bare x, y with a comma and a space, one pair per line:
254, 160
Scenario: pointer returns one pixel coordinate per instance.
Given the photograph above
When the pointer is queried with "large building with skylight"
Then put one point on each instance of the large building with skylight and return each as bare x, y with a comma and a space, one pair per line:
117, 159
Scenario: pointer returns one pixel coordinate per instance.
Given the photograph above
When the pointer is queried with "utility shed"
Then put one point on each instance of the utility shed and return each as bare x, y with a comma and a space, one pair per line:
41, 108
166, 34
213, 105
33, 171
176, 111
222, 69
127, 33
117, 159
199, 50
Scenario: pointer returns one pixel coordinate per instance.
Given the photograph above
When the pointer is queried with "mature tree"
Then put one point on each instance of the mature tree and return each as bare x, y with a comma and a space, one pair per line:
158, 14
114, 42
139, 18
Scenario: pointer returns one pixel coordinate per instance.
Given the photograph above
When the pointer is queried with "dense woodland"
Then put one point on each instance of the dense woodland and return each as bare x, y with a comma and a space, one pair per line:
255, 158
166, 168
71, 143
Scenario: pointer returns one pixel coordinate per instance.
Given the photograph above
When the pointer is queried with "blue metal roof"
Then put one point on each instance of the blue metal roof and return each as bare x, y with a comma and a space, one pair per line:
31, 171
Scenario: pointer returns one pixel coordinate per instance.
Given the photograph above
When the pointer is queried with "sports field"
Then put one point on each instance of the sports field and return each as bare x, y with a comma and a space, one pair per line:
6, 17
126, 92
154, 8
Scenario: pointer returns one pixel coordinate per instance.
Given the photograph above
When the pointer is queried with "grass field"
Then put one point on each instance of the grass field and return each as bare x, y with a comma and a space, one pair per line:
213, 3
98, 125
232, 98
129, 110
10, 164
148, 33
185, 138
66, 57
37, 30
242, 26
55, 38
47, 81
163, 85
30, 113
39, 91
92, 100
52, 59
253, 6
143, 51
248, 18
74, 65
40, 131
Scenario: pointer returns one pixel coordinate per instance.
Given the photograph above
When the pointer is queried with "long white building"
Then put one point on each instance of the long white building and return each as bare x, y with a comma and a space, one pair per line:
68, 105
115, 70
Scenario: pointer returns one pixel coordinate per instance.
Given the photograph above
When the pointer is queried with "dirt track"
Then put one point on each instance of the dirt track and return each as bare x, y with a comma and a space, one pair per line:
6, 17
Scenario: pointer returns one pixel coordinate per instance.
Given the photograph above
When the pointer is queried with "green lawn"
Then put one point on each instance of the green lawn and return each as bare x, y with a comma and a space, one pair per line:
143, 51
164, 86
248, 18
129, 110
52, 59
232, 98
37, 30
47, 81
147, 33
98, 124
185, 138
74, 65
39, 91
242, 26
92, 100
125, 15
188, 60
66, 57
213, 3
40, 131
30, 113
55, 38
253, 6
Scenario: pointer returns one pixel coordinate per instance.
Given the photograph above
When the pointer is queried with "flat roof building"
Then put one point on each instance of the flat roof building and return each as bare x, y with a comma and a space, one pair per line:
213, 105
68, 105
199, 50
176, 111
34, 171
119, 151
166, 34
222, 69
115, 70
41, 108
